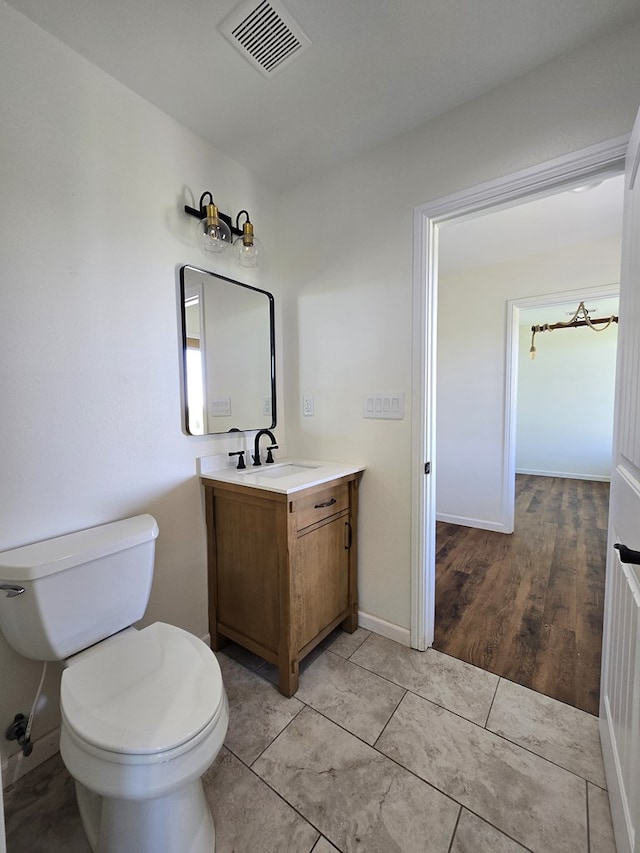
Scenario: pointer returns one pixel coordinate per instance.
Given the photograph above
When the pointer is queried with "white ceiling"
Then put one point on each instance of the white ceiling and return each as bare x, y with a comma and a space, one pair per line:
375, 69
534, 228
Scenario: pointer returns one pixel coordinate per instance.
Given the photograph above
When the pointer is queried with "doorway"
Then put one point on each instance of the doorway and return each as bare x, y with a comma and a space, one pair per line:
548, 254
591, 164
527, 606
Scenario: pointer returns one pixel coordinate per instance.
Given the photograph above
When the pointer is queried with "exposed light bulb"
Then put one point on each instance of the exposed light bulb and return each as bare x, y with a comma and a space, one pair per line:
215, 234
532, 353
248, 247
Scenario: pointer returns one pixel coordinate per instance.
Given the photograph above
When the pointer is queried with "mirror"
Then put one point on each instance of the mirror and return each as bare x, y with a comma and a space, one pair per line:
228, 344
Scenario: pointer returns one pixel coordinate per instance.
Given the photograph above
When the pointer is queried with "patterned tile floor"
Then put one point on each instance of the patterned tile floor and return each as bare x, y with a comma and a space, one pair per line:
382, 750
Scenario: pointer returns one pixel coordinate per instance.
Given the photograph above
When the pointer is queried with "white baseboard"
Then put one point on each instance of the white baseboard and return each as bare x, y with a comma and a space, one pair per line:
480, 523
17, 765
598, 478
384, 628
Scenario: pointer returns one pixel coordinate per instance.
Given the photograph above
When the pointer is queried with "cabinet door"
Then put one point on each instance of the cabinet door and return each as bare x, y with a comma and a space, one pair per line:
320, 577
248, 556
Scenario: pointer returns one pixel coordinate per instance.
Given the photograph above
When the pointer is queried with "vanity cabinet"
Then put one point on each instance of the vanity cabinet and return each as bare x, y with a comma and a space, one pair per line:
282, 568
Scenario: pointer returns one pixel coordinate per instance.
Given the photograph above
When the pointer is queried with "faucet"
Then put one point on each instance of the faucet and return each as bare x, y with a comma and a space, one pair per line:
256, 447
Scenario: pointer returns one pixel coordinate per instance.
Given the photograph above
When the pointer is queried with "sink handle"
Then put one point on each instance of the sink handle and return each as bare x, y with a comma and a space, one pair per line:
239, 453
270, 454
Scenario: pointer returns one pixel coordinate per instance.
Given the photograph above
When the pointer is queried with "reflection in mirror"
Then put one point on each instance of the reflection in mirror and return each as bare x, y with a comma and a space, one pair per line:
228, 354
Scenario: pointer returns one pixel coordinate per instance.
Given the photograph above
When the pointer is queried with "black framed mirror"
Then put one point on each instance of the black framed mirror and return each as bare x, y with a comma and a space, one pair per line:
228, 354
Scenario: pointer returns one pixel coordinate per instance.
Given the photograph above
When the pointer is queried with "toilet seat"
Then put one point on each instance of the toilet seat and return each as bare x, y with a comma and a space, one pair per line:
153, 691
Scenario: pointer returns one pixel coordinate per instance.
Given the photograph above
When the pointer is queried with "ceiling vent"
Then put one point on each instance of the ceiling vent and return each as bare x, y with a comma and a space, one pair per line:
265, 34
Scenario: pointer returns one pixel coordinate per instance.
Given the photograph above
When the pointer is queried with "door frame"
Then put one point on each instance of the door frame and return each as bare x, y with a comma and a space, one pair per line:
593, 163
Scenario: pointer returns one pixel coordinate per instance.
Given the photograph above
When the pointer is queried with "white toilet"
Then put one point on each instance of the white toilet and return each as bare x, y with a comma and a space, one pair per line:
144, 713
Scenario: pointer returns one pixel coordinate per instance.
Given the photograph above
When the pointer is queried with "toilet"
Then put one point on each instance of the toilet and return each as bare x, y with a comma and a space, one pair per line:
144, 712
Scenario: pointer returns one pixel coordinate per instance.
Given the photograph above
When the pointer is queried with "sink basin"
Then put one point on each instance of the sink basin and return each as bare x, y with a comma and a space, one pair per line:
286, 469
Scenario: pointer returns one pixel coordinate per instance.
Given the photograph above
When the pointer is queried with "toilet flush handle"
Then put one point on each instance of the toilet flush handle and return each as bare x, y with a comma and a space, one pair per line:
11, 589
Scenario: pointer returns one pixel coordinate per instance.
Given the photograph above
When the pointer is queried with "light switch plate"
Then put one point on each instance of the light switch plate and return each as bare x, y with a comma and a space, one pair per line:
384, 404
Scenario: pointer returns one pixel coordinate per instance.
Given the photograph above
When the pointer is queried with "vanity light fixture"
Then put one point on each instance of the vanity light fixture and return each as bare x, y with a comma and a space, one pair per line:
216, 231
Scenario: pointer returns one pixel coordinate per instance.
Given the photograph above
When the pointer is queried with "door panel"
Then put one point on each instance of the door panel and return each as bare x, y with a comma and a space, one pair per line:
620, 693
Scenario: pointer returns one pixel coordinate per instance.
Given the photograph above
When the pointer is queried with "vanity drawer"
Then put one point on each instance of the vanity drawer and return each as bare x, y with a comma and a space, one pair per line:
321, 504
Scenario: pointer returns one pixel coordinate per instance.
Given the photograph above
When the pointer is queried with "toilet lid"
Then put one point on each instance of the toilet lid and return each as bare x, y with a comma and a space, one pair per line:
150, 691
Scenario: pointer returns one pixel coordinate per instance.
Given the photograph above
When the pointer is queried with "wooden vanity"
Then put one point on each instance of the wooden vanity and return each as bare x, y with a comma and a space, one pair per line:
282, 562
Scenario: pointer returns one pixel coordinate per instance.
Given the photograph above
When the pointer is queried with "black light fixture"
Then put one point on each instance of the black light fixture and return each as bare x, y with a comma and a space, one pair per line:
216, 231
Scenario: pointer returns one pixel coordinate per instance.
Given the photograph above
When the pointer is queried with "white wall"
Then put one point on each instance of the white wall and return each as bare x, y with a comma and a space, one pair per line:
472, 340
93, 182
348, 270
565, 401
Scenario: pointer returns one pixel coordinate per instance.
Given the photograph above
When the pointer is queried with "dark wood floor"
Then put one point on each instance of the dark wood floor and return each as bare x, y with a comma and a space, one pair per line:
528, 606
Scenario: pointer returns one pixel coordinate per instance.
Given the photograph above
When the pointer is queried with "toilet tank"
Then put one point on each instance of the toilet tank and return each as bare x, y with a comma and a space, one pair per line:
78, 588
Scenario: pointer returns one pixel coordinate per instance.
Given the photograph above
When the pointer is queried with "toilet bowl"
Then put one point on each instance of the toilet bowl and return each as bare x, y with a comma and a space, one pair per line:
142, 719
144, 712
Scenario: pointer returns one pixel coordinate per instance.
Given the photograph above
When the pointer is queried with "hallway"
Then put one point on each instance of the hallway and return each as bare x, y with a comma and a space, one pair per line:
529, 606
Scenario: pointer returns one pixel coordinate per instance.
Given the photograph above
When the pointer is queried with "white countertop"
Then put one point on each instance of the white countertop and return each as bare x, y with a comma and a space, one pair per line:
284, 476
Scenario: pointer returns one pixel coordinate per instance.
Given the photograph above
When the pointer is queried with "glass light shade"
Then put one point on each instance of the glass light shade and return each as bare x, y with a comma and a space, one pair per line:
248, 252
215, 235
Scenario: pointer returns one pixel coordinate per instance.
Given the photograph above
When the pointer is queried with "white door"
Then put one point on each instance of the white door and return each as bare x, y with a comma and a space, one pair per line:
620, 689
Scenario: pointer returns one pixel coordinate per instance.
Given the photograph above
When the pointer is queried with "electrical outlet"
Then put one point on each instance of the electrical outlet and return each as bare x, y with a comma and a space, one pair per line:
307, 405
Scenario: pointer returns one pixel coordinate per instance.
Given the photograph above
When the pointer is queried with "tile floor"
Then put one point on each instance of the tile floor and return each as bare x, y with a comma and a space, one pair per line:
382, 749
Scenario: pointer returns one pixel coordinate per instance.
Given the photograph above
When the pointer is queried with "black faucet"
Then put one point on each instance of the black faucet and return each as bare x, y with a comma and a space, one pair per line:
256, 447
